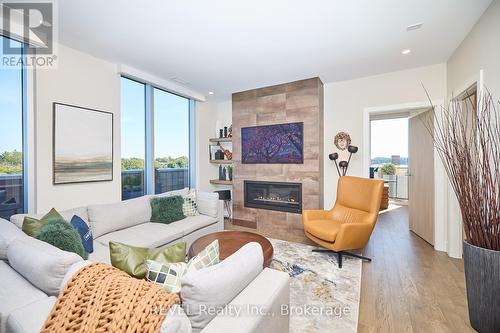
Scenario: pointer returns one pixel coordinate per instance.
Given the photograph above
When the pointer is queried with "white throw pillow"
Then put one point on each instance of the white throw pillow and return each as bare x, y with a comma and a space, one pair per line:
212, 288
208, 203
8, 232
40, 263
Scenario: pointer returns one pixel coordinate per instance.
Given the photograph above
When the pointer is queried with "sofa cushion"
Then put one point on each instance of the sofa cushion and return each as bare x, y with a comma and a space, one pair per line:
8, 232
40, 263
145, 235
181, 192
100, 254
31, 317
208, 203
212, 288
193, 223
176, 321
72, 270
104, 219
270, 293
15, 292
66, 214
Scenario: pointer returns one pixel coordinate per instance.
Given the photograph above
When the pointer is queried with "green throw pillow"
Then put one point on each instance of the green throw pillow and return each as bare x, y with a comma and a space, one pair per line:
167, 209
31, 226
62, 235
131, 259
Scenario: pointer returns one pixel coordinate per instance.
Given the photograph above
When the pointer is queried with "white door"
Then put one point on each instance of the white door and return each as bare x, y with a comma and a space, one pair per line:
421, 180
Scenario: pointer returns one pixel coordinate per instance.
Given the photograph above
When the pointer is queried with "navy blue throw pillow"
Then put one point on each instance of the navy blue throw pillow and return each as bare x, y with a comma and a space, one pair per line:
85, 233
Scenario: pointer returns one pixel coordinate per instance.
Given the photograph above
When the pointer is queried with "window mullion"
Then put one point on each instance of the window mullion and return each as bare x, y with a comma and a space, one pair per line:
149, 172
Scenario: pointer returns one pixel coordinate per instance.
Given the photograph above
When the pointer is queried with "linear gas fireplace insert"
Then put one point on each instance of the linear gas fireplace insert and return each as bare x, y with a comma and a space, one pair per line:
280, 196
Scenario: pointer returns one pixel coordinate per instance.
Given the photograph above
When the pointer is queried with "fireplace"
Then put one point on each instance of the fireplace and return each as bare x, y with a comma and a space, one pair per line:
280, 196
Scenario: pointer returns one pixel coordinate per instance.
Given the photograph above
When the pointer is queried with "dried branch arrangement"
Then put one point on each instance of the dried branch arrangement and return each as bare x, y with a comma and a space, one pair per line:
468, 140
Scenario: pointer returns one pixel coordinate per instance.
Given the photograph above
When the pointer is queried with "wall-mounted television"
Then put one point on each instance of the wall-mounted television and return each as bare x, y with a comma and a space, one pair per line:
282, 143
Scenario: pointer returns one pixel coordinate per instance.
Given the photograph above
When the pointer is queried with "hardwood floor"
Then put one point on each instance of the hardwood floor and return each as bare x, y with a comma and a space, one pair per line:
408, 286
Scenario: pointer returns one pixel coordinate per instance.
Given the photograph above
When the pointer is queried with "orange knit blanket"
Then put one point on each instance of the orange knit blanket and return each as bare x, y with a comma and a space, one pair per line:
101, 298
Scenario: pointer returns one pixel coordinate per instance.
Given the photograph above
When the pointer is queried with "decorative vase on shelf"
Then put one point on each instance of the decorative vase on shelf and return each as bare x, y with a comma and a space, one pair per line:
221, 174
230, 172
219, 154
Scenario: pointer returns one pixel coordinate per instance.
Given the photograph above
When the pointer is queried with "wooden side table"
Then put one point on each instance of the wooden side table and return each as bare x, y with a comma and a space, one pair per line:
230, 242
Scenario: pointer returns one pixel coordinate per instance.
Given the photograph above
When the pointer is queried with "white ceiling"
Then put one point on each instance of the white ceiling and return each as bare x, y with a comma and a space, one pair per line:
227, 46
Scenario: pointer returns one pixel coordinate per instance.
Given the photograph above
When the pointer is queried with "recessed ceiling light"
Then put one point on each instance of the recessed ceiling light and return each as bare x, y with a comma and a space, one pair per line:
210, 92
415, 26
406, 51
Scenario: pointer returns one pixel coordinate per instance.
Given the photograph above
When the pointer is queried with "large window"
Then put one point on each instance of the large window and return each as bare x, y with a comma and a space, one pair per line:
155, 140
171, 141
133, 119
12, 189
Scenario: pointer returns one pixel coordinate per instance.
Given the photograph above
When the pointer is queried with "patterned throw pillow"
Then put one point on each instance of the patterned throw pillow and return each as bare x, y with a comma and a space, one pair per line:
207, 257
167, 275
189, 207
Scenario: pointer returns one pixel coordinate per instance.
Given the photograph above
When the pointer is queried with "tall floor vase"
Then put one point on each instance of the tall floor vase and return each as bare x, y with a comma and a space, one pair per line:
482, 277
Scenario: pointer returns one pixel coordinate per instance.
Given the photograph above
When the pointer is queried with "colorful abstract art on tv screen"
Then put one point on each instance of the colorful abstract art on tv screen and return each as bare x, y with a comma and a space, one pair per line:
283, 143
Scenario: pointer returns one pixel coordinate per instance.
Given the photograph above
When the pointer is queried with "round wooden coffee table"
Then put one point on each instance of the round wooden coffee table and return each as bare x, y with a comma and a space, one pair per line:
230, 242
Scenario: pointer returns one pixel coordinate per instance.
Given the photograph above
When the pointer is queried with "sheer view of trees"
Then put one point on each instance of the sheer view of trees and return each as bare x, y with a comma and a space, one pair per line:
11, 162
135, 163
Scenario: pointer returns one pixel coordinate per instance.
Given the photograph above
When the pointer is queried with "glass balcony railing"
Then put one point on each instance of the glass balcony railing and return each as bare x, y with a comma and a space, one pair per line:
398, 183
11, 195
167, 179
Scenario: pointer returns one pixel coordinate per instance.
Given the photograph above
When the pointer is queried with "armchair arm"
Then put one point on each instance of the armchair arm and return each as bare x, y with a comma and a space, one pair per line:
354, 235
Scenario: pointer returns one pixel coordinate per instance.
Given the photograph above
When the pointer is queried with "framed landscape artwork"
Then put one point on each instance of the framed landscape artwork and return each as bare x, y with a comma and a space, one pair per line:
282, 143
82, 144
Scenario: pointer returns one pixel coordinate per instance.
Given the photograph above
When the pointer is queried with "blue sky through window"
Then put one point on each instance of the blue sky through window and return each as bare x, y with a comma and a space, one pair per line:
11, 132
389, 137
171, 118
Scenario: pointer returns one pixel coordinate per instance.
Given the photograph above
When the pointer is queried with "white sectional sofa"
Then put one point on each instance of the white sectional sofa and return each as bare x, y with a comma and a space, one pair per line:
33, 273
128, 222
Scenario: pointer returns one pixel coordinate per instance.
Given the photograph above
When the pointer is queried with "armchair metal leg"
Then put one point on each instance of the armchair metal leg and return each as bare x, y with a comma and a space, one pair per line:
342, 253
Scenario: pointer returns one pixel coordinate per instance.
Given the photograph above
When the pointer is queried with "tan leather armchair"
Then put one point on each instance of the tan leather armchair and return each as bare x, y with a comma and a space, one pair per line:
349, 224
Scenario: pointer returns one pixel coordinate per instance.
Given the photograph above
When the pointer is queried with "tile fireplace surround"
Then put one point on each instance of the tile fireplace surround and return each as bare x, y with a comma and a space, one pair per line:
300, 101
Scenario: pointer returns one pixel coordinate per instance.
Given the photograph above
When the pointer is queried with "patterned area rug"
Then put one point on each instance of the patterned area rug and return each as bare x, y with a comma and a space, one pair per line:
323, 298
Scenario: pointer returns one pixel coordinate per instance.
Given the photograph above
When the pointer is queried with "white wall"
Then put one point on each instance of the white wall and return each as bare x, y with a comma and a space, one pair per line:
80, 80
210, 116
345, 103
480, 50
